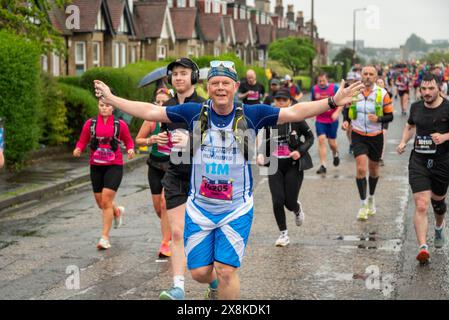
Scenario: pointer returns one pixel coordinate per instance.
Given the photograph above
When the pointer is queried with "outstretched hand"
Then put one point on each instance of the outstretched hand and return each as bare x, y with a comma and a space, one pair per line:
344, 95
102, 91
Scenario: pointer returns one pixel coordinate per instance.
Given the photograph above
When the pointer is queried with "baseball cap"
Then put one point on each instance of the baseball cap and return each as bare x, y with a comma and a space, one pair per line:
275, 81
282, 93
287, 78
185, 62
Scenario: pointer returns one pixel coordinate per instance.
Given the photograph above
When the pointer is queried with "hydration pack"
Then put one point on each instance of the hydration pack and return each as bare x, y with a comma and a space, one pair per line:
94, 141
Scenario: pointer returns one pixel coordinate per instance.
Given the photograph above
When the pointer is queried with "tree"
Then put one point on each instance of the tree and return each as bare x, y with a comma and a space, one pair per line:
345, 56
437, 57
30, 19
415, 43
293, 53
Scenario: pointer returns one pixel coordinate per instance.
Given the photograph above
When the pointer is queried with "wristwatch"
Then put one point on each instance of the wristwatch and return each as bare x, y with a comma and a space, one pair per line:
331, 103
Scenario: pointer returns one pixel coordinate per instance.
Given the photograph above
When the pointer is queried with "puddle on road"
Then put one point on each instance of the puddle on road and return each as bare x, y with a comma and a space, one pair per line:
371, 242
27, 233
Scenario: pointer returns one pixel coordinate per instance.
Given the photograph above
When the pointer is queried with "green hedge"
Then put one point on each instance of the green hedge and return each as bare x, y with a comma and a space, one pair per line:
80, 105
306, 82
54, 130
20, 99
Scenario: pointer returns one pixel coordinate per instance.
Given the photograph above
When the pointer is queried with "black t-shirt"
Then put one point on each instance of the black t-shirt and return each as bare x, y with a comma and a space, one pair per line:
427, 122
182, 170
254, 98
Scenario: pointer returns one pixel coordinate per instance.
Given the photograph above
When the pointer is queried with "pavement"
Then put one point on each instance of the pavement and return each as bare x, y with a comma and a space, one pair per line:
47, 247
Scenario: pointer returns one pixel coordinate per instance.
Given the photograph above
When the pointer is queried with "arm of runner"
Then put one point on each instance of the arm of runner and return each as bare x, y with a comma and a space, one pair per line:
83, 140
125, 136
304, 110
145, 130
143, 110
440, 138
407, 134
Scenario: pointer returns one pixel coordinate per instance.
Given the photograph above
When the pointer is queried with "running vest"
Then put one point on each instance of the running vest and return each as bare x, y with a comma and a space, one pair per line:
239, 126
363, 106
93, 133
324, 93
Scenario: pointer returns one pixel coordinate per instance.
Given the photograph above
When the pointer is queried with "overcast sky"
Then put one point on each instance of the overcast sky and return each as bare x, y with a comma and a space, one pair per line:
398, 19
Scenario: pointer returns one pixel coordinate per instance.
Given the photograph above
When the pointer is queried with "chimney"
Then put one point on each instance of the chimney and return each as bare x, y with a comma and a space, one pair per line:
279, 9
290, 13
300, 19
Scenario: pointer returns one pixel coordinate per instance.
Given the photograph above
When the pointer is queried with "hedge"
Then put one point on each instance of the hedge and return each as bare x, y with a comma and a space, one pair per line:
20, 99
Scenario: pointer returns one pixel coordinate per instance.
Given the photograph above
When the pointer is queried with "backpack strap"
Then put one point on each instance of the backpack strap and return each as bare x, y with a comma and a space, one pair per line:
93, 134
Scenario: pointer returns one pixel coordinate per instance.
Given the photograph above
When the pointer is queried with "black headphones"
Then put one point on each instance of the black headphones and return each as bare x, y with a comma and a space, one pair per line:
185, 62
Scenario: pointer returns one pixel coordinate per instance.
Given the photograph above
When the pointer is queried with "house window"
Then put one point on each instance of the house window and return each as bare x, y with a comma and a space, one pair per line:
161, 52
216, 7
223, 7
236, 12
100, 25
264, 19
44, 63
207, 6
192, 3
116, 55
238, 53
191, 51
261, 55
216, 52
122, 54
133, 54
181, 3
56, 67
123, 28
242, 13
80, 57
96, 54
170, 3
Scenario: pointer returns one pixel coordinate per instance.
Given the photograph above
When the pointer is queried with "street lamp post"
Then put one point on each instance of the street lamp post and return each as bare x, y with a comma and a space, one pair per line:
312, 38
353, 34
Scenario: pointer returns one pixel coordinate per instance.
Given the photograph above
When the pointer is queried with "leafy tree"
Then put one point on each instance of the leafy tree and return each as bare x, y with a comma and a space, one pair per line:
30, 20
437, 57
345, 56
293, 53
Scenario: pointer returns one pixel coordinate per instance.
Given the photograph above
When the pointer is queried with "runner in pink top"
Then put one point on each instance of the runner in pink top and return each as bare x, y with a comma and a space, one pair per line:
326, 123
105, 135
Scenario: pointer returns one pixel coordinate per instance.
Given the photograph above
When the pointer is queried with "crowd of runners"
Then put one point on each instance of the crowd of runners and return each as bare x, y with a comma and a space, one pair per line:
202, 150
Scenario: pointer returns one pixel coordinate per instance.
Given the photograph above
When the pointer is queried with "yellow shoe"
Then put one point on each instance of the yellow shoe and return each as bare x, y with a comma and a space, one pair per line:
363, 213
371, 207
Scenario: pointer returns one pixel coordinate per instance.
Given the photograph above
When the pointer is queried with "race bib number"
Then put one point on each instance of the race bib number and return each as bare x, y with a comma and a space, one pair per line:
103, 155
425, 144
218, 190
282, 151
253, 96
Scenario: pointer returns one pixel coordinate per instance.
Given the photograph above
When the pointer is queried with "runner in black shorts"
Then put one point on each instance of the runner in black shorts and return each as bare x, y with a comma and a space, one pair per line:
183, 74
429, 161
157, 166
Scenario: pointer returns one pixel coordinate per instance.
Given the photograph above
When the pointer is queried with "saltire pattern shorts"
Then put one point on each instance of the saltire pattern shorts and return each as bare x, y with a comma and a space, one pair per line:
211, 237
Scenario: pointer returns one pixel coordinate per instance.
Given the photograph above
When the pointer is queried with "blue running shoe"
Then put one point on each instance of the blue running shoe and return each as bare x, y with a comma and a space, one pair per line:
174, 293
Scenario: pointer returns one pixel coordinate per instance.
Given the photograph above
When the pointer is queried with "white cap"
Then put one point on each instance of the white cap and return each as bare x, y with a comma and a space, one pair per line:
287, 77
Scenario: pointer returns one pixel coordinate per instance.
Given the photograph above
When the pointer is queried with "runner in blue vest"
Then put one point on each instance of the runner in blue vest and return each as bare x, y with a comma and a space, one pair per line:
219, 210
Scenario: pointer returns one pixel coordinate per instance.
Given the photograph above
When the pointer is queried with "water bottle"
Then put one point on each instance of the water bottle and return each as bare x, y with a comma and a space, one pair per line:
353, 109
379, 104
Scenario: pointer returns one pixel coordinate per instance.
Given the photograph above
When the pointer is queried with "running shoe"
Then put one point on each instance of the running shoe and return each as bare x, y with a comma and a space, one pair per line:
164, 250
322, 170
299, 216
174, 293
282, 241
336, 160
103, 244
211, 294
423, 256
371, 207
118, 218
363, 213
440, 238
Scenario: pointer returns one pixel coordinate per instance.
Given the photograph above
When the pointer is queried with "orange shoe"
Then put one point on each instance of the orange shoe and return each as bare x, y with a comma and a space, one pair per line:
423, 256
164, 250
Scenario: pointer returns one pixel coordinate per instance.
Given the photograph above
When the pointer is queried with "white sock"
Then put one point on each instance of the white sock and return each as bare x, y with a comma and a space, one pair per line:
364, 202
178, 281
284, 233
424, 246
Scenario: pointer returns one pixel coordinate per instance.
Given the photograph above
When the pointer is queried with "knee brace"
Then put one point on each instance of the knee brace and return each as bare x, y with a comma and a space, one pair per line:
439, 207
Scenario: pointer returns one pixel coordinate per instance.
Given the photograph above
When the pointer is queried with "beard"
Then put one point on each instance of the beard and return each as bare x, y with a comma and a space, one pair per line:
429, 99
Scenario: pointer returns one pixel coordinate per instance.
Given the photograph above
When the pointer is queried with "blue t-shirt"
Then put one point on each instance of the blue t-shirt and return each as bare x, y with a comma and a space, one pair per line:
220, 174
257, 116
1, 138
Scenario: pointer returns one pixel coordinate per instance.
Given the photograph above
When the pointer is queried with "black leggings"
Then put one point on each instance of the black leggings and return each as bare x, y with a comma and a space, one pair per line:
284, 186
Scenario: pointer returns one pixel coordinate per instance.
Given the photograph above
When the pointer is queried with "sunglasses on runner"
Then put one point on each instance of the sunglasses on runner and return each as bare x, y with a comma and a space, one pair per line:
226, 64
